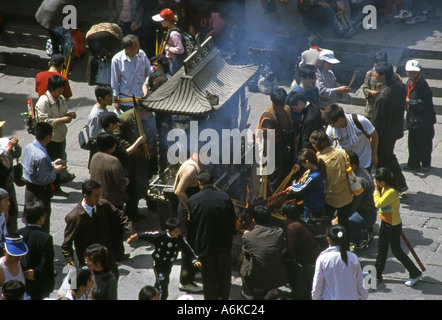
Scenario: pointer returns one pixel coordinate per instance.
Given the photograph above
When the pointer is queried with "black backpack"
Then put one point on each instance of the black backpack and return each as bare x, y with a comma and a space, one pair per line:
358, 125
188, 41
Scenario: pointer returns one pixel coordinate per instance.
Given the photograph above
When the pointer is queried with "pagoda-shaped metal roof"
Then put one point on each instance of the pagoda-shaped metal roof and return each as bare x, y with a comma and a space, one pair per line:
203, 84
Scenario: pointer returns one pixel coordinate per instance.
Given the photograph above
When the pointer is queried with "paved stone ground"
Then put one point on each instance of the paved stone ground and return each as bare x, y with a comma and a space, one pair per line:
421, 208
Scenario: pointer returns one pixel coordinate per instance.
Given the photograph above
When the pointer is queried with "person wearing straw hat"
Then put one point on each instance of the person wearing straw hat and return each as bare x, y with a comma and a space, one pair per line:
420, 119
10, 268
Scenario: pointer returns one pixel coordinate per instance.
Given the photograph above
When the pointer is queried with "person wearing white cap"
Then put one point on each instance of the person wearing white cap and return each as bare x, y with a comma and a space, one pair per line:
420, 119
329, 89
10, 268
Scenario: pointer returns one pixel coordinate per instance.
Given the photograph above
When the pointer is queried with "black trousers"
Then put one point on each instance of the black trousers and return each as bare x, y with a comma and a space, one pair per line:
188, 271
162, 275
343, 213
390, 237
388, 159
40, 193
117, 236
216, 271
55, 151
420, 146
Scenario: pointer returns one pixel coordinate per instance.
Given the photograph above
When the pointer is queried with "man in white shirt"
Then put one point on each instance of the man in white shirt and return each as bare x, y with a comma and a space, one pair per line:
129, 70
353, 132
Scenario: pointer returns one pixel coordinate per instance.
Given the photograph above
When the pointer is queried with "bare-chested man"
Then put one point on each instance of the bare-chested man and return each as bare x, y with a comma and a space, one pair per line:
185, 186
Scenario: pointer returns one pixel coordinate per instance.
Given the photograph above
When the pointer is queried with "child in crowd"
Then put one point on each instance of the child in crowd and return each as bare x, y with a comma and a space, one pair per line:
386, 199
105, 284
149, 293
167, 245
338, 273
313, 187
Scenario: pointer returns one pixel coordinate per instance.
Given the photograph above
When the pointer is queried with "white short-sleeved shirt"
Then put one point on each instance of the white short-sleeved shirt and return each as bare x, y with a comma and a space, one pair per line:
363, 147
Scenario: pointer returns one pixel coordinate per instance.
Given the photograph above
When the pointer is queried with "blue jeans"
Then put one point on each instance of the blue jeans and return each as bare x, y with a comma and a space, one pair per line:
175, 65
358, 224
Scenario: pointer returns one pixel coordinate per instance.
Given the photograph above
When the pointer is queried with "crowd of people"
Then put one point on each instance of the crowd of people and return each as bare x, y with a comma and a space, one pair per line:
343, 165
344, 169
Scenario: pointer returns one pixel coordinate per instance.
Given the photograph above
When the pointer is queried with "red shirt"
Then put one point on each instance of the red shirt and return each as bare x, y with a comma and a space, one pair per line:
41, 83
301, 243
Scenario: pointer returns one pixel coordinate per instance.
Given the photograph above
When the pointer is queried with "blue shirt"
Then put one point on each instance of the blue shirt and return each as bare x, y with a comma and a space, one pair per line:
311, 96
95, 120
37, 165
313, 191
129, 74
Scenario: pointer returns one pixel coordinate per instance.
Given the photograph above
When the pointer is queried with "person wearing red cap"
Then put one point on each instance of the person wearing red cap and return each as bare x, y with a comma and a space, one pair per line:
185, 12
174, 47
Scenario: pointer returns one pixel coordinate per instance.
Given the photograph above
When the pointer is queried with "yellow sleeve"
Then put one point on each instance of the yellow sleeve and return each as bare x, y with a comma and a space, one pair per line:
387, 198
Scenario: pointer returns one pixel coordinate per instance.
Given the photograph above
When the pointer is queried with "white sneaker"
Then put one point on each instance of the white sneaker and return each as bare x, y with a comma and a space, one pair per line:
416, 19
412, 281
403, 14
191, 287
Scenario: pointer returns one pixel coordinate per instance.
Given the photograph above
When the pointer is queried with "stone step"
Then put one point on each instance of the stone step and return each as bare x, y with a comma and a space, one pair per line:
39, 60
25, 57
33, 37
431, 68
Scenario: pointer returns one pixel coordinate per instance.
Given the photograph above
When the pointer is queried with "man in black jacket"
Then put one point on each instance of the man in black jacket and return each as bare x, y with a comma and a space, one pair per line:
40, 256
388, 119
311, 119
212, 226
